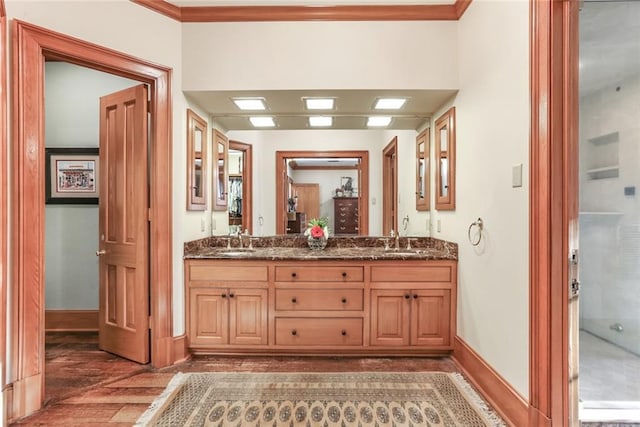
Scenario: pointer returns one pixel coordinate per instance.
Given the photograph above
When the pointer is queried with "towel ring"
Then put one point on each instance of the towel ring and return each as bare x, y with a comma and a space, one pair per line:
478, 223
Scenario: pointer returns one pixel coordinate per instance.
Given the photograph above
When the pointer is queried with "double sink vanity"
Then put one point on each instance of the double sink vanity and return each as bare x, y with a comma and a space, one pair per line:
271, 295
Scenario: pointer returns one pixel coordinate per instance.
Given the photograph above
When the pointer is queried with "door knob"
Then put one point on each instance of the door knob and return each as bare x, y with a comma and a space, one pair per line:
101, 252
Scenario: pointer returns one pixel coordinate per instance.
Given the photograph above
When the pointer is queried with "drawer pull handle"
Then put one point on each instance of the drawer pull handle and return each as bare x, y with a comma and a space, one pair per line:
294, 332
344, 274
294, 300
415, 296
407, 296
294, 274
344, 300
232, 295
344, 333
224, 295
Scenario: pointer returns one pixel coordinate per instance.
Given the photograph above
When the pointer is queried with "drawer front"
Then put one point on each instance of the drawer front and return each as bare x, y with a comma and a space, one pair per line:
319, 331
222, 273
320, 274
398, 273
314, 299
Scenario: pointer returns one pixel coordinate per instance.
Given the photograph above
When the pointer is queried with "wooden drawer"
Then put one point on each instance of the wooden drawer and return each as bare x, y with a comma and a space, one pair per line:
228, 273
319, 299
293, 331
320, 274
397, 273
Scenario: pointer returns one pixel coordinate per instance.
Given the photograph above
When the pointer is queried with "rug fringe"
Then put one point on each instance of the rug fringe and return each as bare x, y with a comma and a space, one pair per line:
174, 385
477, 400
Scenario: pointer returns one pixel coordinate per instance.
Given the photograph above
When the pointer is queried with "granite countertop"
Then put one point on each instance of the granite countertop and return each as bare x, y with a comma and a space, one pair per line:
279, 248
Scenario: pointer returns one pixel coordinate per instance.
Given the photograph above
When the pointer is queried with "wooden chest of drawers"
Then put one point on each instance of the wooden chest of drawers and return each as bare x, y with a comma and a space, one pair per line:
345, 215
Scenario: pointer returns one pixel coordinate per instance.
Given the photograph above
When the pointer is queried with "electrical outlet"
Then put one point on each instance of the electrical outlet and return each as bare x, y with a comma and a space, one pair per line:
438, 226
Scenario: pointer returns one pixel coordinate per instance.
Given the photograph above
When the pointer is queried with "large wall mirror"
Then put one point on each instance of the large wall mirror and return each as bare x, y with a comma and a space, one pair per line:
331, 184
221, 149
423, 192
196, 162
445, 135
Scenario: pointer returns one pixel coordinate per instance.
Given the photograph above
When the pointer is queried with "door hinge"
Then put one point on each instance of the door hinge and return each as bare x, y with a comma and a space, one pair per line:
574, 257
574, 288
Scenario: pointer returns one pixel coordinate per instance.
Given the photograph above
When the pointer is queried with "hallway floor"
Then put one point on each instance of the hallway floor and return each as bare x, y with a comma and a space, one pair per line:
85, 386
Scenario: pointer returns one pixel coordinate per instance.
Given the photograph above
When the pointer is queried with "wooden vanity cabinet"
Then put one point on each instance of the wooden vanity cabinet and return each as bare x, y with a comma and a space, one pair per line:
320, 307
224, 309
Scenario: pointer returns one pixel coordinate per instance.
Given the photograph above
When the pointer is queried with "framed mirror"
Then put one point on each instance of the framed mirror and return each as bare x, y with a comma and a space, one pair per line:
445, 134
423, 193
196, 162
221, 147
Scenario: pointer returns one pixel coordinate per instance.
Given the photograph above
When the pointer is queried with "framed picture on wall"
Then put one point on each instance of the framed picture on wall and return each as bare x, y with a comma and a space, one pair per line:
72, 176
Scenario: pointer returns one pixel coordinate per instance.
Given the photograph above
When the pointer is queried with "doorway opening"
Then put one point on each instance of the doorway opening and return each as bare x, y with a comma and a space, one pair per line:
32, 47
609, 217
336, 191
240, 187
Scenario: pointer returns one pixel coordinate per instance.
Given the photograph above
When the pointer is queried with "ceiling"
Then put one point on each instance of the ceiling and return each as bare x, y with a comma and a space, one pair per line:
352, 107
609, 43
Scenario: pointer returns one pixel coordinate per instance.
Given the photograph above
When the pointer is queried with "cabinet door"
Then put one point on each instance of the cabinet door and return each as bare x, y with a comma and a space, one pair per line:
248, 317
390, 318
208, 318
430, 317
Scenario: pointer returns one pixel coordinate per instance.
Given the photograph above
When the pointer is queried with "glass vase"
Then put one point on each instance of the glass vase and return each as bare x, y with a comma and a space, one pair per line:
317, 243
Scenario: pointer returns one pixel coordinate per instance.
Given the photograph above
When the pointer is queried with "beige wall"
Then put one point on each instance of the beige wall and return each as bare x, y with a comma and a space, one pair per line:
492, 119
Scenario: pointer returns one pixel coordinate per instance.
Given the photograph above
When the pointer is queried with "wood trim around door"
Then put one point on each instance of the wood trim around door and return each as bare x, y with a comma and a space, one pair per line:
553, 204
363, 184
3, 201
390, 187
32, 45
430, 12
247, 183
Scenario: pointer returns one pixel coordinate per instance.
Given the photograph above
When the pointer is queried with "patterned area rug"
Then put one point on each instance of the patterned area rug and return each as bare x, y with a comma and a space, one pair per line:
319, 399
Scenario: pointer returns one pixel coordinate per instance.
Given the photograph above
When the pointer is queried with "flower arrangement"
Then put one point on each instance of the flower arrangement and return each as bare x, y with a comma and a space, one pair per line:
317, 233
318, 227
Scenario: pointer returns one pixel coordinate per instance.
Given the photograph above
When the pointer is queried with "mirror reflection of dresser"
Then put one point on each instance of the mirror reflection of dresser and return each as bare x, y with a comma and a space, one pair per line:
345, 215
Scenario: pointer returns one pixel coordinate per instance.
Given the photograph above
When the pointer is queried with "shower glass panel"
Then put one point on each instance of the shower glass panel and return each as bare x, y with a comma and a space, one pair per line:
609, 205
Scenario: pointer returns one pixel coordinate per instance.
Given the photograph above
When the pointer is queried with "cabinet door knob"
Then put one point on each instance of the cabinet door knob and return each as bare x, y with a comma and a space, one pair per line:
224, 295
344, 300
415, 296
232, 295
294, 300
294, 332
344, 274
407, 296
344, 333
294, 274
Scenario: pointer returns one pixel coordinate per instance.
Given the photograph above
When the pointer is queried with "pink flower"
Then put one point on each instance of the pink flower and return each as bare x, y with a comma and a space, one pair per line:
316, 231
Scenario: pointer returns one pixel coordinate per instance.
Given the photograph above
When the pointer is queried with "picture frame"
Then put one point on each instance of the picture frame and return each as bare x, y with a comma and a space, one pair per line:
72, 176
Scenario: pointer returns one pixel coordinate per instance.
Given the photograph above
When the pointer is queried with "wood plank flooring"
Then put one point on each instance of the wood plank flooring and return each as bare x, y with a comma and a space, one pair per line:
85, 386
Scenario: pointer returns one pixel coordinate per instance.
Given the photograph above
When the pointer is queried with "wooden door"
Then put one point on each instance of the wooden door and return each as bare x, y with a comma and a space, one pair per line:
248, 316
430, 317
308, 199
390, 310
124, 228
208, 316
390, 188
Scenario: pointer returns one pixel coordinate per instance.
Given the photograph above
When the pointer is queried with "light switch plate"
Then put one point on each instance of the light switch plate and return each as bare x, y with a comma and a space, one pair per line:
516, 176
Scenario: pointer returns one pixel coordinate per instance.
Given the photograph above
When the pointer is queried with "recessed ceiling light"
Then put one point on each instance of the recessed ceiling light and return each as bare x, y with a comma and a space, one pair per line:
250, 103
389, 103
320, 121
319, 103
378, 121
262, 122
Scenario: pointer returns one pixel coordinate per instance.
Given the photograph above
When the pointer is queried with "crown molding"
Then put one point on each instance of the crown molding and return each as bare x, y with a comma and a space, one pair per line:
449, 12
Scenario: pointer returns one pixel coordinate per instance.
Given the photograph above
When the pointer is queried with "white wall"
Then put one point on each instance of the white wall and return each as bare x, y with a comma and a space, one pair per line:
320, 55
266, 143
492, 119
72, 108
